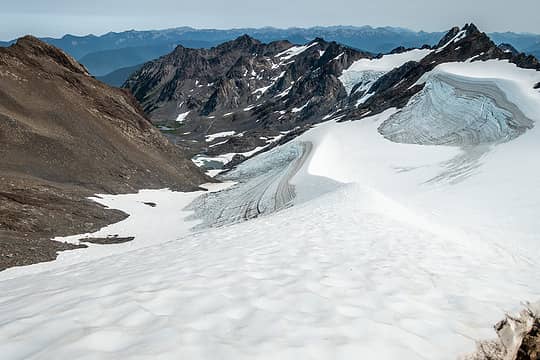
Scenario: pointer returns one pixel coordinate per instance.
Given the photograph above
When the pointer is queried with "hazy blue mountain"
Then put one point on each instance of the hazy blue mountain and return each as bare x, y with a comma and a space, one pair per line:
101, 63
371, 39
79, 46
367, 38
521, 41
527, 43
534, 50
118, 77
116, 50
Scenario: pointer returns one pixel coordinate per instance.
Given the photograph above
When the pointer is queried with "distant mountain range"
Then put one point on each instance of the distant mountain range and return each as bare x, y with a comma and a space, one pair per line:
103, 55
118, 77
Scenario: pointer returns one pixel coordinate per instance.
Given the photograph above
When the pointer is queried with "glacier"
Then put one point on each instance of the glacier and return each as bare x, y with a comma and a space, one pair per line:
453, 110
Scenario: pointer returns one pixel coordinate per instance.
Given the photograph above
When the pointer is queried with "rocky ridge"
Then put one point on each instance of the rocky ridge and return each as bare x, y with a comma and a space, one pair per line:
65, 136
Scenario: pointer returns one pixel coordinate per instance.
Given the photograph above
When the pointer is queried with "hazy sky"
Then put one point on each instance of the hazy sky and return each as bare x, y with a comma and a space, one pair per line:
57, 17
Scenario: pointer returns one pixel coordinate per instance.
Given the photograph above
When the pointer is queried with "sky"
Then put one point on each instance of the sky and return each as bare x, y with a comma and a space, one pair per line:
58, 17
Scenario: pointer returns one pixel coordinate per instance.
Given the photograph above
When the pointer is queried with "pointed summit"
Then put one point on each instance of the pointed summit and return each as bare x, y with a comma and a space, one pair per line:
242, 42
471, 29
465, 31
246, 41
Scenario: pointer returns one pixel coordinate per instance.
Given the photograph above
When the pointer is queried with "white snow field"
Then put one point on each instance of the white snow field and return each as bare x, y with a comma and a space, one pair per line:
367, 71
390, 251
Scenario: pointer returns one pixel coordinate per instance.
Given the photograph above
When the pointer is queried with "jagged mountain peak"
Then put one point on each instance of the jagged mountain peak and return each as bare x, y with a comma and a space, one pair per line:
242, 42
471, 29
467, 30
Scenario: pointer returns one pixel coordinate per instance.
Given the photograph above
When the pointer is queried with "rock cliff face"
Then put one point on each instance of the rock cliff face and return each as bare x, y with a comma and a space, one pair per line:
64, 136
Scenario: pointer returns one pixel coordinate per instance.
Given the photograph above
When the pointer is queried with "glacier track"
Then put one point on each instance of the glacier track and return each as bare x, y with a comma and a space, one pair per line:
261, 187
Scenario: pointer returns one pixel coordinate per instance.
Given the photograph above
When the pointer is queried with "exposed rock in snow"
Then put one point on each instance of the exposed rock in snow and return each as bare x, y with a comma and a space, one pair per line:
519, 338
294, 51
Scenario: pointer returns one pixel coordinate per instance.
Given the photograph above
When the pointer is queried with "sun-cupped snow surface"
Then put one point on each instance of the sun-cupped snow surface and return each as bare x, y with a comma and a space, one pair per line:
382, 256
367, 71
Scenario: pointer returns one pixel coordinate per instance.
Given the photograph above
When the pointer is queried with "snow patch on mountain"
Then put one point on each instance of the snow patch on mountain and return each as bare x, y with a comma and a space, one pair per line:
294, 51
212, 137
459, 36
181, 117
301, 108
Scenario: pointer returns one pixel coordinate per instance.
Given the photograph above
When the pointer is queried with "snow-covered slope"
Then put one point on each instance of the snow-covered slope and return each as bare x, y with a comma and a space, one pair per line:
365, 72
391, 250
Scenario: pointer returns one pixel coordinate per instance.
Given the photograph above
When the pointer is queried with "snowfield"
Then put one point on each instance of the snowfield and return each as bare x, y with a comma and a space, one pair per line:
390, 251
367, 71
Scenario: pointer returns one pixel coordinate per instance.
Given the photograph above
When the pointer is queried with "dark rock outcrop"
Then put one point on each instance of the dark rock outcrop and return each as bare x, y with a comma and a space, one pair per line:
518, 338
